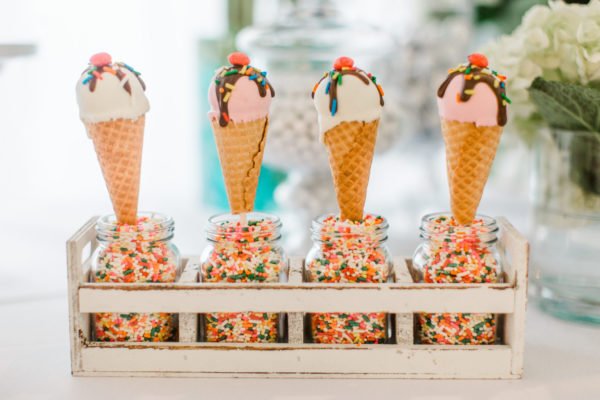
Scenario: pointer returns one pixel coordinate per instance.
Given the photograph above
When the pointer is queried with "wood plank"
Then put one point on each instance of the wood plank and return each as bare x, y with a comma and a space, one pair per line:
188, 322
308, 297
404, 321
516, 249
425, 361
77, 272
295, 320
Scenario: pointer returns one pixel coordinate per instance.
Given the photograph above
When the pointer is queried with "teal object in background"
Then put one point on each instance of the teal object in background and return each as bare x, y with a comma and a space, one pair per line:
213, 54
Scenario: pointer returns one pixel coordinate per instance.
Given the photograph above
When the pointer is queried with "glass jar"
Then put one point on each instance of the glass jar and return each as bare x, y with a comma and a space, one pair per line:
566, 224
141, 253
242, 252
452, 253
349, 252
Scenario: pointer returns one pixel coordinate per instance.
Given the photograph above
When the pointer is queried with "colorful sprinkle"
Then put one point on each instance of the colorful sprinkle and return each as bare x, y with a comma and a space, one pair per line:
135, 254
457, 254
243, 254
349, 252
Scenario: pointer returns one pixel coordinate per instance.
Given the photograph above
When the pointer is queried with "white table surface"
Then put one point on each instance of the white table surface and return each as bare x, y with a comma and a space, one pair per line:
562, 361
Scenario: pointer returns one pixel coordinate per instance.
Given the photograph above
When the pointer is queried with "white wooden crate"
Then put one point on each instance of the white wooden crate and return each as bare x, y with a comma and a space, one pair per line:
403, 359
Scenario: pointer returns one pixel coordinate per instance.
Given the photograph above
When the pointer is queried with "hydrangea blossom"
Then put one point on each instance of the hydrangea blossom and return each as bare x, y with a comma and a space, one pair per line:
557, 41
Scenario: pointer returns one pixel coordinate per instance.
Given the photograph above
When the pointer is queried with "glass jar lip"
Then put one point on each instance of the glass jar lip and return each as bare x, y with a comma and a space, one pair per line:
217, 220
162, 227
488, 222
378, 231
319, 220
487, 230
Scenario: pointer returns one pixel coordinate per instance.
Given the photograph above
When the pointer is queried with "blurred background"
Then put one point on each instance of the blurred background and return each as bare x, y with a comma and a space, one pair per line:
51, 182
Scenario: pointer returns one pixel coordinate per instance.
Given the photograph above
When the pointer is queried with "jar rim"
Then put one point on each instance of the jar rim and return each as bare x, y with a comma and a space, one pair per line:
488, 221
250, 216
378, 231
162, 227
487, 230
217, 221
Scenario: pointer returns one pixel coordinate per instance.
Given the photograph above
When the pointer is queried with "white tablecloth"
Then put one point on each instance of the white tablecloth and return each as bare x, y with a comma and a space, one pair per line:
562, 361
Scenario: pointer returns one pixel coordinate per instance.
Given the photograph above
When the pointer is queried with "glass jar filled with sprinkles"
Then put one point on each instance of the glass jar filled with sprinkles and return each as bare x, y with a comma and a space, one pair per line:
453, 253
140, 253
347, 251
243, 252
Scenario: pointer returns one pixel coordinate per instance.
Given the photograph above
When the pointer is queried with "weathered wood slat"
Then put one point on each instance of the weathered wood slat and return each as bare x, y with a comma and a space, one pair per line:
399, 298
188, 322
295, 320
516, 253
281, 359
404, 321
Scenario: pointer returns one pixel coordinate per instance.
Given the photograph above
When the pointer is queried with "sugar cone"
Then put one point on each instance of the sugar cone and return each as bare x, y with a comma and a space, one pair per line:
241, 146
351, 146
118, 146
470, 152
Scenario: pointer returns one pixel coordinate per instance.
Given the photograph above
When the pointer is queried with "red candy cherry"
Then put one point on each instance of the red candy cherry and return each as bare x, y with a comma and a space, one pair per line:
238, 58
478, 60
101, 59
342, 62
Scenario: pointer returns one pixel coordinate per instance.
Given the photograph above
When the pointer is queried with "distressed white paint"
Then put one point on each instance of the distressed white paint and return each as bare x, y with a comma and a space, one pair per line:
283, 359
188, 322
404, 321
402, 360
295, 320
305, 297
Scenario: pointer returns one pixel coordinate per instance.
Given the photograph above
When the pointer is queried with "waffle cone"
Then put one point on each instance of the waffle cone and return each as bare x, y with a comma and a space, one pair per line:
118, 145
351, 146
241, 146
470, 152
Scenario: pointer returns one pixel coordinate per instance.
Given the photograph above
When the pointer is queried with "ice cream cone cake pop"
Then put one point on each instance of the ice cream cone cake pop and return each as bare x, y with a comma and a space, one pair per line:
348, 248
112, 105
349, 102
472, 106
240, 96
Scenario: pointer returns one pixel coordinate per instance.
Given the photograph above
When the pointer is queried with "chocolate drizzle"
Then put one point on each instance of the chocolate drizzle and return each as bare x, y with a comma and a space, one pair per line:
336, 78
226, 79
94, 74
474, 75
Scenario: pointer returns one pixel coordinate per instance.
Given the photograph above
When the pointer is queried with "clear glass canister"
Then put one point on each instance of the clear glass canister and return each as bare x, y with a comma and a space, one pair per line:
452, 253
243, 252
566, 224
349, 252
141, 253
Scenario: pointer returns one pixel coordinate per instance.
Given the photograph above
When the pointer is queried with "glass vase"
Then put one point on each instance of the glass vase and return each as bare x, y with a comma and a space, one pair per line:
566, 224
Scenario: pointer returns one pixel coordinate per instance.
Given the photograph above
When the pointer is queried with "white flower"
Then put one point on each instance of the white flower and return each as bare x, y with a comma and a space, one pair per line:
588, 31
535, 16
536, 40
558, 41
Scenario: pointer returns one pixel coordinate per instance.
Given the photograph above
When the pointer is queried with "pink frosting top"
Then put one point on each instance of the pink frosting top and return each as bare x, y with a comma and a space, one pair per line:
245, 103
481, 108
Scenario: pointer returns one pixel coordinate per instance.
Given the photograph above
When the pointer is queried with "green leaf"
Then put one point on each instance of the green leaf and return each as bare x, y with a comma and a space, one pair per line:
567, 105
